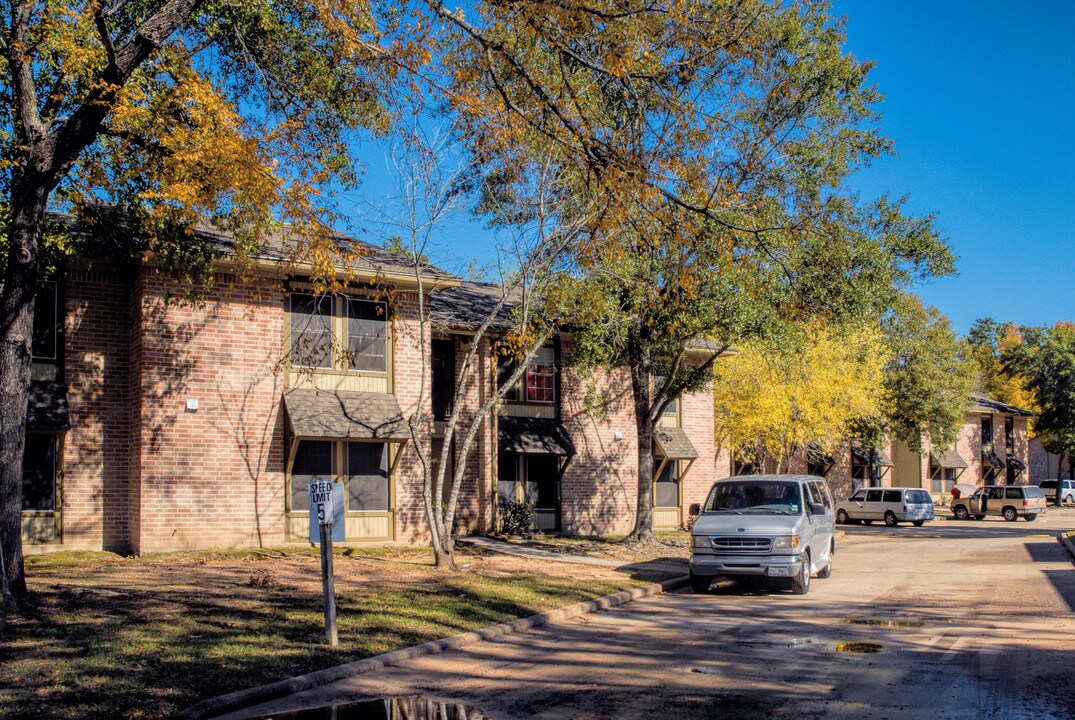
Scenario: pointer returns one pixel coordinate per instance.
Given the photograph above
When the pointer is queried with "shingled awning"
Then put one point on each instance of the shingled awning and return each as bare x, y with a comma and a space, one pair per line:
533, 436
672, 443
862, 456
948, 459
1016, 463
990, 457
349, 415
816, 455
47, 407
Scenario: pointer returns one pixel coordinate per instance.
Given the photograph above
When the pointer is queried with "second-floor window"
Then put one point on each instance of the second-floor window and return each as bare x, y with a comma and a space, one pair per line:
47, 322
987, 434
1009, 435
359, 341
538, 383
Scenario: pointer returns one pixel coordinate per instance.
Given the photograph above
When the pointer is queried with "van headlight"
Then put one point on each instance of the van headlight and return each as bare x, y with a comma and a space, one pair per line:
700, 541
786, 541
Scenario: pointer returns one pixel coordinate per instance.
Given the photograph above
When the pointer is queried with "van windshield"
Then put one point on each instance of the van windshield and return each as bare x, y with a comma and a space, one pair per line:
772, 497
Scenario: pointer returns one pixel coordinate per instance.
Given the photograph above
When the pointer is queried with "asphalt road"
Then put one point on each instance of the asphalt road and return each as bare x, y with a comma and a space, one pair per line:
968, 620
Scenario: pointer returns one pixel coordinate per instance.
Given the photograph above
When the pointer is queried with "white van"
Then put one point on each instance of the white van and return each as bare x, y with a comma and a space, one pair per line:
773, 526
893, 505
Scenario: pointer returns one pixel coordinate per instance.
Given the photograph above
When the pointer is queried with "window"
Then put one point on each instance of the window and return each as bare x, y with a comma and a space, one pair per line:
45, 343
541, 377
987, 434
892, 496
873, 496
1013, 493
860, 474
538, 384
658, 380
367, 335
367, 477
315, 342
1009, 435
942, 479
314, 460
311, 330
860, 496
443, 378
39, 473
507, 471
666, 489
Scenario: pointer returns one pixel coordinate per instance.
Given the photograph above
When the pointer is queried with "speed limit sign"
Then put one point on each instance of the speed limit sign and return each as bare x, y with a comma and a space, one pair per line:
326, 508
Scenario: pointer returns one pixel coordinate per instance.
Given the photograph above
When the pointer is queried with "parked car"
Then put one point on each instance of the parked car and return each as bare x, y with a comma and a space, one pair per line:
1008, 501
772, 526
1048, 487
893, 505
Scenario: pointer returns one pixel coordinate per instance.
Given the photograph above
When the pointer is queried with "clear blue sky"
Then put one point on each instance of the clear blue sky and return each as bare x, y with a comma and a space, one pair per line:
980, 101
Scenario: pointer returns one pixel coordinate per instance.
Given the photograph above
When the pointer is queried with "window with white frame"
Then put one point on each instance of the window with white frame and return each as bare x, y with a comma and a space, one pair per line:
367, 335
541, 377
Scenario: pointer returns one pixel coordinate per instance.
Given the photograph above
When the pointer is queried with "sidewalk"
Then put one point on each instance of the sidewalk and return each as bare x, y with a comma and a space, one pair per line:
676, 566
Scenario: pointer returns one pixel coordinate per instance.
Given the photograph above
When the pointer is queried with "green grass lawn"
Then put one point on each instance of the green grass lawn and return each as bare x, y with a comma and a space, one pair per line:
136, 638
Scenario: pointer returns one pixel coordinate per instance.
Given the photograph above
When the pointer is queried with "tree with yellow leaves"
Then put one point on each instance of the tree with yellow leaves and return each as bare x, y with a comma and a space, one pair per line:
781, 399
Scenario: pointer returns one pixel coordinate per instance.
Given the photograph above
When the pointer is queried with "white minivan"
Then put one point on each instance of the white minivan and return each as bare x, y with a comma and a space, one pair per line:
893, 505
772, 526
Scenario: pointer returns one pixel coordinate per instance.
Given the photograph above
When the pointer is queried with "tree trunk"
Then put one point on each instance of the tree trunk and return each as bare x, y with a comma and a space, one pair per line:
28, 202
645, 420
444, 552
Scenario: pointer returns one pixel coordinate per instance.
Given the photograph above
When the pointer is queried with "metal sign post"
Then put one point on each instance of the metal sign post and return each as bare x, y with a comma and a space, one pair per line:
327, 524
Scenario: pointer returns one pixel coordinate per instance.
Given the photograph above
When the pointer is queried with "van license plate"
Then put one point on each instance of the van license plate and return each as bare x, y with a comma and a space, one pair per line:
778, 570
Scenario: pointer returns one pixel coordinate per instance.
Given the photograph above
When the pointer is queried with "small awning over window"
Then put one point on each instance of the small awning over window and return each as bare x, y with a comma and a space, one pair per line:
672, 443
947, 459
862, 456
339, 414
47, 407
990, 457
1016, 463
816, 455
533, 436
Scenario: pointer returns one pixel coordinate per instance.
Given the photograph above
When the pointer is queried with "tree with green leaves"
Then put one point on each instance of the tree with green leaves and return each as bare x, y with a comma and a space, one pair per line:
708, 144
1045, 360
144, 119
927, 381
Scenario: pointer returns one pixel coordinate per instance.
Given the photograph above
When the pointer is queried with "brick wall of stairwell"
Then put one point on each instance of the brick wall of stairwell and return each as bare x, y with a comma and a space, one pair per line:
96, 451
475, 509
696, 418
410, 374
211, 477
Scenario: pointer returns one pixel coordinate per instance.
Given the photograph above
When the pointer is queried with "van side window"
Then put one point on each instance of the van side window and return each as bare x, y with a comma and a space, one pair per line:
1013, 493
873, 496
996, 493
892, 496
826, 497
859, 496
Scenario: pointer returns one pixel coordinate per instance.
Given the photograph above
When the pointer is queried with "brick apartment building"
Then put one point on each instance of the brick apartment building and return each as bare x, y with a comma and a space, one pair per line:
991, 447
158, 425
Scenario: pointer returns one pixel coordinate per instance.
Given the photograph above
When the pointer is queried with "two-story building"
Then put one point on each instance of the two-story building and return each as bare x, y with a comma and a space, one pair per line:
157, 424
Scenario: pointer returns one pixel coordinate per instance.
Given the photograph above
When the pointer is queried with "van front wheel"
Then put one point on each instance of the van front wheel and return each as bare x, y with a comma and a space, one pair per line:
700, 584
801, 584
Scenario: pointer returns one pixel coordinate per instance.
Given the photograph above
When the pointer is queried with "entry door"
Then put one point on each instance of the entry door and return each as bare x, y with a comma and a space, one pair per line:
543, 490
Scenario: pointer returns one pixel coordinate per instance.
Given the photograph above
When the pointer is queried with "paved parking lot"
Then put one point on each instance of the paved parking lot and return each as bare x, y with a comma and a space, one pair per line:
967, 620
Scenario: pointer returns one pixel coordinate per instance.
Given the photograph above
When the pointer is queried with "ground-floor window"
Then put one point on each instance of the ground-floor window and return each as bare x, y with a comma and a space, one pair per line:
534, 478
941, 479
365, 473
666, 489
39, 473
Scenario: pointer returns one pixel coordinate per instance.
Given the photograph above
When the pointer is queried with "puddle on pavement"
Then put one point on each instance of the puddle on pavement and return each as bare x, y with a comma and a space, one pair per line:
885, 622
858, 647
404, 708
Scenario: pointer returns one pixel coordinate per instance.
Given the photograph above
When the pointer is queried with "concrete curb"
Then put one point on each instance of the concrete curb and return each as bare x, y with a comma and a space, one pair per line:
1066, 543
230, 702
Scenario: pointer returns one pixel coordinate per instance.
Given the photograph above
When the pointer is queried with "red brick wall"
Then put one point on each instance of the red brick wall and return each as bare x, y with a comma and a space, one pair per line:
409, 379
211, 477
96, 454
